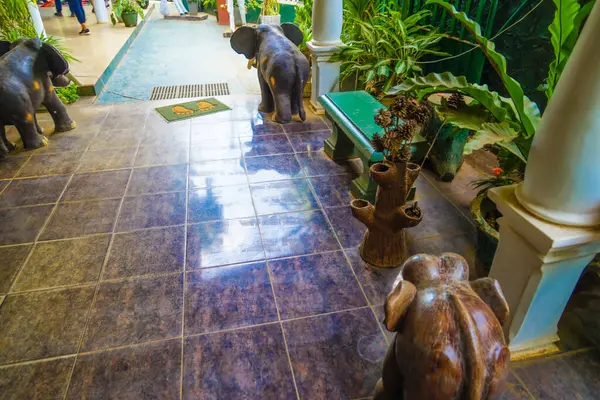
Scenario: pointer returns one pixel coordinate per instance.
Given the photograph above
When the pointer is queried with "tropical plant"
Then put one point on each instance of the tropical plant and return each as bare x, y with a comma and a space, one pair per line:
121, 7
68, 94
304, 21
270, 7
383, 48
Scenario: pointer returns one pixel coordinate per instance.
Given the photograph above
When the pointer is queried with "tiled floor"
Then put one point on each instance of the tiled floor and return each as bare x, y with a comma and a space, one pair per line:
214, 258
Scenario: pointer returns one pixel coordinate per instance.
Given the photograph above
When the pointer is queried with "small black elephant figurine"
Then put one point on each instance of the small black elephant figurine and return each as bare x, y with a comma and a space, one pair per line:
283, 70
449, 343
29, 71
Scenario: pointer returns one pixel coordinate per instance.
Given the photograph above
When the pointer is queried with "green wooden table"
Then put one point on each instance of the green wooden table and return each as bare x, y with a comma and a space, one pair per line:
353, 125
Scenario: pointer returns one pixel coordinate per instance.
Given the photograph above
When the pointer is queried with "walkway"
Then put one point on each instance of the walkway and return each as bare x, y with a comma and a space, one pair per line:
214, 258
168, 52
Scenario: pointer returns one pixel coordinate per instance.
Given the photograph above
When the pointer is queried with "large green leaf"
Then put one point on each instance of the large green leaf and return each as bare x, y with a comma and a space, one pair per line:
500, 134
470, 117
498, 61
501, 108
560, 29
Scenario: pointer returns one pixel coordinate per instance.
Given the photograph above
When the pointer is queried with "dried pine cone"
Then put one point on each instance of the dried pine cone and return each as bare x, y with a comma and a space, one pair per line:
377, 143
398, 104
455, 100
416, 111
407, 130
383, 118
405, 155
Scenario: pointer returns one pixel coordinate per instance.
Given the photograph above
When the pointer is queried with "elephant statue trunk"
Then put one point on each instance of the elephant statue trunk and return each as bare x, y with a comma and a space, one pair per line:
384, 244
449, 343
29, 71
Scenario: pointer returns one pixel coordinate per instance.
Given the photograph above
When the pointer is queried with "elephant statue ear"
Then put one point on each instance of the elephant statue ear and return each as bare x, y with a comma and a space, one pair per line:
56, 62
490, 292
293, 33
4, 47
397, 304
243, 41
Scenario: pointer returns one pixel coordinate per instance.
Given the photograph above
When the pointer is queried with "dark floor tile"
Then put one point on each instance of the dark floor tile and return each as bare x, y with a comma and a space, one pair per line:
333, 191
314, 284
228, 297
176, 153
82, 218
158, 179
283, 196
149, 371
135, 311
24, 192
219, 203
217, 173
308, 141
116, 121
43, 324
310, 125
50, 164
242, 364
515, 390
336, 356
424, 188
130, 255
223, 242
99, 160
152, 211
9, 166
296, 234
380, 317
562, 377
444, 243
273, 168
3, 185
12, 258
114, 139
22, 225
265, 145
45, 380
216, 149
348, 229
97, 185
257, 127
316, 163
439, 216
376, 282
68, 141
65, 262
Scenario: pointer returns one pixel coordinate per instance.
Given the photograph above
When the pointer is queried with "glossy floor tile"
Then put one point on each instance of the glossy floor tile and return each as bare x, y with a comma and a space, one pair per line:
265, 145
333, 191
348, 229
219, 203
97, 185
217, 243
100, 160
11, 165
273, 168
248, 363
217, 173
13, 258
316, 163
40, 380
228, 297
24, 192
152, 211
308, 141
376, 282
283, 196
50, 164
22, 225
176, 153
314, 284
169, 178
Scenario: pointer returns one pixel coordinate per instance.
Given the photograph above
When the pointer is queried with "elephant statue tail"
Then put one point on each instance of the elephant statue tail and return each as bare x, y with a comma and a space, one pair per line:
299, 91
475, 367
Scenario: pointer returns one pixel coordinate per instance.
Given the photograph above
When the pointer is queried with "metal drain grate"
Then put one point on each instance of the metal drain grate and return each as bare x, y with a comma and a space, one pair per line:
184, 91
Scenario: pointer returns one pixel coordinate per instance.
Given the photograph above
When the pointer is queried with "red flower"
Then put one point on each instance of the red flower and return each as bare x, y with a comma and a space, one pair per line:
498, 171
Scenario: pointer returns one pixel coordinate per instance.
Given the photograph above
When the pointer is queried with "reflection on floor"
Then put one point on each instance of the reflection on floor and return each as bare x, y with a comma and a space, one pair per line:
212, 258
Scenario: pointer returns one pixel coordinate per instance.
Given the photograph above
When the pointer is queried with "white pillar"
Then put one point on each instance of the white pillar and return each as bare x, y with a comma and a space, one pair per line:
550, 225
562, 181
328, 17
100, 11
36, 18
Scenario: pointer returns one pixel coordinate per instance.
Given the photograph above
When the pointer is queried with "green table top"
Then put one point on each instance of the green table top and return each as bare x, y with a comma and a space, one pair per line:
360, 108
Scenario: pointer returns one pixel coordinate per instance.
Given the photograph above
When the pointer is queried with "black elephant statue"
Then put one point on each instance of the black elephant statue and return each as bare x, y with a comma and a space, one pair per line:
449, 343
29, 71
283, 70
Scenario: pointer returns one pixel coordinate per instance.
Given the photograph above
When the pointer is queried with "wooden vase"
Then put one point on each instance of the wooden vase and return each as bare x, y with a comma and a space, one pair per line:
384, 244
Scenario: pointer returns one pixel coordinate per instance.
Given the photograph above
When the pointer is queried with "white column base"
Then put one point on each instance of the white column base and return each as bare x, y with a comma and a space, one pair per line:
537, 264
36, 18
325, 74
101, 12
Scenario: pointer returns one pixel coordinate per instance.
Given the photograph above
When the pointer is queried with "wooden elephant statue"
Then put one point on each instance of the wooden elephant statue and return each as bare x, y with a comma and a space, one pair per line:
449, 342
29, 70
283, 70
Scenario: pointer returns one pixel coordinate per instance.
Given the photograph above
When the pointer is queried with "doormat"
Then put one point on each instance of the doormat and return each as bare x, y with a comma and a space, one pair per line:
191, 109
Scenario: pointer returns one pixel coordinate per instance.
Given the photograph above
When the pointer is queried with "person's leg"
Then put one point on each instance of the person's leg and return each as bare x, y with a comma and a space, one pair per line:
77, 8
231, 12
58, 4
242, 7
179, 7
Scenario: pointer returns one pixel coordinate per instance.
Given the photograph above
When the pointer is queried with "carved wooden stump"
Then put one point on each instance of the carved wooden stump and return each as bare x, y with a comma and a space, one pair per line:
384, 244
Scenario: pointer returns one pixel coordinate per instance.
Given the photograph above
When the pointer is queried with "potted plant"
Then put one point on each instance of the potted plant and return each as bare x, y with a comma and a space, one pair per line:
384, 244
269, 13
126, 11
195, 6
